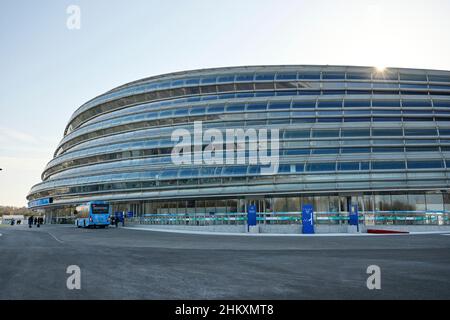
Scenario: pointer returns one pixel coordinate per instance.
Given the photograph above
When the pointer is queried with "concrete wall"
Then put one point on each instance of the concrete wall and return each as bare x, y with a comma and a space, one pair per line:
263, 228
410, 228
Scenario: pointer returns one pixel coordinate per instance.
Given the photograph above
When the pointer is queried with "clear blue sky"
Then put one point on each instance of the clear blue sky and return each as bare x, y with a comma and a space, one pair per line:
47, 70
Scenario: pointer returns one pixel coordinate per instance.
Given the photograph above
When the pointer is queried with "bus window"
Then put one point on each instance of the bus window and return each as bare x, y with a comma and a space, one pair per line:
100, 208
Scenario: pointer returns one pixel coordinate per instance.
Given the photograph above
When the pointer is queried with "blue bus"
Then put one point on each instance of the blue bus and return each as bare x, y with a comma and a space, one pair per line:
93, 215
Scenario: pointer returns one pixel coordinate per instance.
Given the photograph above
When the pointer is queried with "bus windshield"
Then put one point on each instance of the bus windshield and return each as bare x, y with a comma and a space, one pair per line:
100, 208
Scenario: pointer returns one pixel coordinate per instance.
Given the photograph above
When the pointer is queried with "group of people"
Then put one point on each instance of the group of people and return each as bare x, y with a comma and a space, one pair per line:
35, 220
115, 221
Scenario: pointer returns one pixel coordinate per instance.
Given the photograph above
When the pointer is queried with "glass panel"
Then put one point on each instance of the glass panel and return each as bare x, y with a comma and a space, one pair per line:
386, 103
299, 134
420, 132
387, 132
417, 103
368, 203
304, 104
446, 201
321, 204
325, 133
256, 107
356, 103
244, 78
327, 120
400, 202
265, 77
429, 164
359, 76
387, 149
192, 82
330, 104
417, 202
413, 86
279, 105
325, 151
388, 165
321, 166
444, 132
181, 112
284, 168
365, 165
382, 202
441, 104
208, 80
197, 111
333, 75
279, 205
216, 109
435, 201
297, 152
254, 170
438, 78
286, 76
293, 204
385, 75
355, 150
228, 78
345, 166
355, 132
413, 77
236, 108
309, 76
334, 204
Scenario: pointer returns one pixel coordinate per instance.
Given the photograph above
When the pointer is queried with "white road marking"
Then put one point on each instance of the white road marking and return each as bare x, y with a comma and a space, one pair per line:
60, 241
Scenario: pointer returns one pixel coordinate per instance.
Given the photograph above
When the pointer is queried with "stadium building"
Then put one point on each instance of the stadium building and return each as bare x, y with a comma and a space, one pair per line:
347, 135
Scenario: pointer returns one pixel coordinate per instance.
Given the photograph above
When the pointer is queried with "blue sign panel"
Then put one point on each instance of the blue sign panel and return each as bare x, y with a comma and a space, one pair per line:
130, 214
354, 216
251, 215
119, 216
308, 219
40, 202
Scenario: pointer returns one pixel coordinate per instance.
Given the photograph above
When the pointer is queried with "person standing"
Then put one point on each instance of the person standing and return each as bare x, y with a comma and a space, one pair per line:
30, 221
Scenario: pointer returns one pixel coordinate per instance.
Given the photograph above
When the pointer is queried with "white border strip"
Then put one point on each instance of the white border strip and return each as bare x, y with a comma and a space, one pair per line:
284, 234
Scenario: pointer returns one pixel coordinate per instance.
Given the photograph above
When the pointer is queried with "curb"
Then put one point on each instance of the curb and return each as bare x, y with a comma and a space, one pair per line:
282, 234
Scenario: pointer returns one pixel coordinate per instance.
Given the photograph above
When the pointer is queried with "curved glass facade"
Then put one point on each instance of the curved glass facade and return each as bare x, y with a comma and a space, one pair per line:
346, 135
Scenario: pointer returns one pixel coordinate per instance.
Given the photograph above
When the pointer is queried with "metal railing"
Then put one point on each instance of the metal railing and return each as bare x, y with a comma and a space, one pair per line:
368, 218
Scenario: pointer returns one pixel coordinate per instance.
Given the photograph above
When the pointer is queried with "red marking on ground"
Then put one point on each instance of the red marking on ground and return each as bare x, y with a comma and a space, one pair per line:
379, 231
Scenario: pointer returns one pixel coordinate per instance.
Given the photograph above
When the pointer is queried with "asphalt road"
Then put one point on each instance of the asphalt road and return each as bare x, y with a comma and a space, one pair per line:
131, 264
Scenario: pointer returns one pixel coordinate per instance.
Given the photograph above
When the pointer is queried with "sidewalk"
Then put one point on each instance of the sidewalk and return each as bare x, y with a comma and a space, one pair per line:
149, 228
